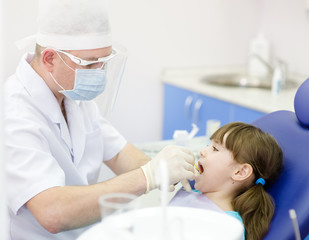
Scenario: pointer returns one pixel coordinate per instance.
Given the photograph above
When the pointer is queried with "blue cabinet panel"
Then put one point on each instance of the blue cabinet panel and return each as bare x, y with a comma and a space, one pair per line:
244, 114
175, 113
183, 107
213, 109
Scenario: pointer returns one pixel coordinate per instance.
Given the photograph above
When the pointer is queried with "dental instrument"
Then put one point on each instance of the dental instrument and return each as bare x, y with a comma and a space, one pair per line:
196, 167
293, 217
162, 180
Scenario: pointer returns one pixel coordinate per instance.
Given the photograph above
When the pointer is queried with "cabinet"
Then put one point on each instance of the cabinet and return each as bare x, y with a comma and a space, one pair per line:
183, 107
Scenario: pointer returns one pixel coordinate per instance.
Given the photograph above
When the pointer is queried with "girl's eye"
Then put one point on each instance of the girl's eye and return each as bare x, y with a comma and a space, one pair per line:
214, 149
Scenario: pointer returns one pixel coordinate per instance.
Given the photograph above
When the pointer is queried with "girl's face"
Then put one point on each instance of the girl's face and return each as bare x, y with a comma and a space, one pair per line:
217, 168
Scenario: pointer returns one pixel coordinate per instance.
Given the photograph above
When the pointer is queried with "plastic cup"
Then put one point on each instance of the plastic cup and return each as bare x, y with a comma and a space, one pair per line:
117, 203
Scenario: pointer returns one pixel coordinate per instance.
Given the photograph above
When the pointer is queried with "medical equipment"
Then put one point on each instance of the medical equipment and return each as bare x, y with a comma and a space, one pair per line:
197, 168
182, 137
88, 84
290, 191
293, 217
117, 203
99, 64
114, 75
162, 180
183, 224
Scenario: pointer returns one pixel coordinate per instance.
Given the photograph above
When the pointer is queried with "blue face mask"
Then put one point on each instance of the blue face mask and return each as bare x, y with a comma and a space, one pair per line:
88, 84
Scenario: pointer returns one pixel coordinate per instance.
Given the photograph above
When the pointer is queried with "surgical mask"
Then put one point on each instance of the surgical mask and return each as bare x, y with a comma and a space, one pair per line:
88, 84
113, 67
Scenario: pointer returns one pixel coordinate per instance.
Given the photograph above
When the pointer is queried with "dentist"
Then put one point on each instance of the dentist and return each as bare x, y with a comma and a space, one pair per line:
56, 139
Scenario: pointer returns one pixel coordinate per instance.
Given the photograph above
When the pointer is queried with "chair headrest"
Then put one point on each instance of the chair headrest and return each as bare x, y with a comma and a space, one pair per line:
301, 104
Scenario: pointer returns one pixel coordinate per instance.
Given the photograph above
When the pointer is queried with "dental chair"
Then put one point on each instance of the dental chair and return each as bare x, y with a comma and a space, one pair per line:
291, 190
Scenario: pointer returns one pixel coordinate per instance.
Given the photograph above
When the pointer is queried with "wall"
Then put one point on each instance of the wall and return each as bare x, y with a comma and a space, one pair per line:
20, 22
286, 24
3, 209
175, 33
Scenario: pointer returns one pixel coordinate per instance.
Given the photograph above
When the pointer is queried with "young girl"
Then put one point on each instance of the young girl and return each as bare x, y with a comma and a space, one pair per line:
234, 170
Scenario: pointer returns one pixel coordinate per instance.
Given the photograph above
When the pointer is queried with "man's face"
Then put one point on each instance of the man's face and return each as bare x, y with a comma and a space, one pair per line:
64, 67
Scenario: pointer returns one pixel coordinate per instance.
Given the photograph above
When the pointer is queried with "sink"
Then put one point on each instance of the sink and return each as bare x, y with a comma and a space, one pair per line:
243, 80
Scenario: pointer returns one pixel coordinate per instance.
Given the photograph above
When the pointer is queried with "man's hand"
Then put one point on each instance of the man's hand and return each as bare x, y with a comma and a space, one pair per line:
180, 165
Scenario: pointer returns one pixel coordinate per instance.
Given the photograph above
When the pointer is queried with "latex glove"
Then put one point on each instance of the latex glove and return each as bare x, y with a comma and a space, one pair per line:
186, 185
180, 164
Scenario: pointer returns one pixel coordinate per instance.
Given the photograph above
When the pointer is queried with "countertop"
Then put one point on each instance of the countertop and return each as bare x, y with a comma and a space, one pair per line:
255, 98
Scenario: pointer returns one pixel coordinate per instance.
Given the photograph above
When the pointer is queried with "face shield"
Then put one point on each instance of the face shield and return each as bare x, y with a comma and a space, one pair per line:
114, 73
95, 77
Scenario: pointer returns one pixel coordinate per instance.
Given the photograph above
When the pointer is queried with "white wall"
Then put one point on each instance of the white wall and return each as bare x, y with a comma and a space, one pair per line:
286, 24
3, 209
20, 22
174, 33
178, 33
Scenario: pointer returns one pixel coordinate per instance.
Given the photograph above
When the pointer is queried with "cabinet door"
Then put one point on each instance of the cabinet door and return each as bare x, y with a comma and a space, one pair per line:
177, 110
183, 107
244, 114
213, 109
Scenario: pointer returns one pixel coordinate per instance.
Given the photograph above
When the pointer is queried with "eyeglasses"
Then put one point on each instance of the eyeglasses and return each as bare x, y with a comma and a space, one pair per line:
82, 62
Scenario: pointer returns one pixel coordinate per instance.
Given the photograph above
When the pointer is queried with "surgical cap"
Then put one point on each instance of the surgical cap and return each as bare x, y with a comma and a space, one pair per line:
73, 24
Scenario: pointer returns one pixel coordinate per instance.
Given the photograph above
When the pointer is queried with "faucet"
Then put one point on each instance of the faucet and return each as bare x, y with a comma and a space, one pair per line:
279, 64
266, 64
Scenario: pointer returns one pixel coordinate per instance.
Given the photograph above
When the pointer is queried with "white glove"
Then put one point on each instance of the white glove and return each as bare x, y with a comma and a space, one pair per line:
185, 182
180, 165
186, 185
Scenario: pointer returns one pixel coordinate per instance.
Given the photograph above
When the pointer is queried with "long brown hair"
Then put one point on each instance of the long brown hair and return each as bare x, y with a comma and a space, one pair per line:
251, 145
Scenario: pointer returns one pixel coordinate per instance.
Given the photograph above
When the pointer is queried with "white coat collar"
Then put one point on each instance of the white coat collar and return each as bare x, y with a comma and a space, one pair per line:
43, 97
72, 133
77, 128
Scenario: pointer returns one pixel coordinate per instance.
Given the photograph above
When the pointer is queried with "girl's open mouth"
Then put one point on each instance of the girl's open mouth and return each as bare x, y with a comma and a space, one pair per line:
201, 168
197, 168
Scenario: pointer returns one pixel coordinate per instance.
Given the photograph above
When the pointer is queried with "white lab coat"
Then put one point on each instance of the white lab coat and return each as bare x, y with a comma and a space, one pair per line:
44, 151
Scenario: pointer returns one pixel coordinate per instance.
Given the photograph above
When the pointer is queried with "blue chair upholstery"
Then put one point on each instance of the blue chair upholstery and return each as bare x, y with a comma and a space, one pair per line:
291, 190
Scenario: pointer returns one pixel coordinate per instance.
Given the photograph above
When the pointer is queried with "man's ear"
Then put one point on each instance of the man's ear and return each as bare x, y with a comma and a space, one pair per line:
242, 172
48, 59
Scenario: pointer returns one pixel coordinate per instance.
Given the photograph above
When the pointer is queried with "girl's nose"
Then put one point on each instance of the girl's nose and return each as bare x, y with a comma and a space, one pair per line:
203, 152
